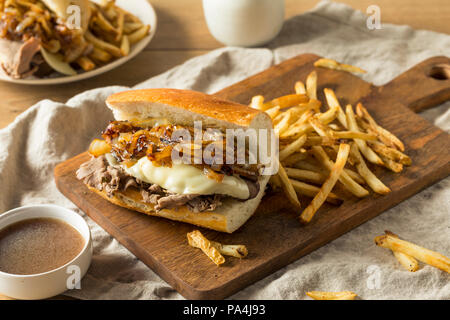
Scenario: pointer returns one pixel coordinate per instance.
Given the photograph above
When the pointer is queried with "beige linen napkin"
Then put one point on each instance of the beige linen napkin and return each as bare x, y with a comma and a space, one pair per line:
51, 132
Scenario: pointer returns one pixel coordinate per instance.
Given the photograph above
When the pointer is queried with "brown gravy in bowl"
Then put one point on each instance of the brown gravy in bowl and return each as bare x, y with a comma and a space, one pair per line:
38, 245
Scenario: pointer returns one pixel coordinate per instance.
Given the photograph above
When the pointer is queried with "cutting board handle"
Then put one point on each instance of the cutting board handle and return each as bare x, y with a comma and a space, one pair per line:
423, 86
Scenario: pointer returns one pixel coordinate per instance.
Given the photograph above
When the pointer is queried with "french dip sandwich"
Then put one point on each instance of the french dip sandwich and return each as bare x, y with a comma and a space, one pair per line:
134, 167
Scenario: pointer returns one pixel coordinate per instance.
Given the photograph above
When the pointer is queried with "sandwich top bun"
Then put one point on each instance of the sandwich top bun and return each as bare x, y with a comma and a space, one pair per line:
183, 107
59, 7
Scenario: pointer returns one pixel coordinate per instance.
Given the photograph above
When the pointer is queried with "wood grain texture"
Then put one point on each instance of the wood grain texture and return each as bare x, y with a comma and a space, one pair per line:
182, 34
274, 235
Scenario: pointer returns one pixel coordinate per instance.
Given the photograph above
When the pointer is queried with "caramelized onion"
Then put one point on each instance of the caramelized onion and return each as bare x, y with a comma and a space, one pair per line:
213, 175
163, 158
131, 142
99, 147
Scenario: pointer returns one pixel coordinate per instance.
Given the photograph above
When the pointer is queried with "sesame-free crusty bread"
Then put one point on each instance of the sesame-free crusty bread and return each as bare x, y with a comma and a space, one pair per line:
183, 107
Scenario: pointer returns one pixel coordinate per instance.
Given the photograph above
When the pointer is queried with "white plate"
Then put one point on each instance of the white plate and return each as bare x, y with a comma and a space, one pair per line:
141, 9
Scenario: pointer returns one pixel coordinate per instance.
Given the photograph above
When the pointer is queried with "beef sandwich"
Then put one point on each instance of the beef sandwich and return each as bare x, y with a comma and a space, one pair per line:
134, 166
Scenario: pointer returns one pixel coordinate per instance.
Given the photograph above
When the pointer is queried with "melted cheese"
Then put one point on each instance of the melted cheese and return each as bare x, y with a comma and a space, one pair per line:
186, 179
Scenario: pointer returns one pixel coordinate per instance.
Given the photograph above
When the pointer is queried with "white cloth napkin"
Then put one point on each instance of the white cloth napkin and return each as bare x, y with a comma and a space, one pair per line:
50, 132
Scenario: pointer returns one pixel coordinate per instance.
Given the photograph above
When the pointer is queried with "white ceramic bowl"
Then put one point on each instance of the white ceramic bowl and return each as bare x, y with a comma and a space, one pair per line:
54, 282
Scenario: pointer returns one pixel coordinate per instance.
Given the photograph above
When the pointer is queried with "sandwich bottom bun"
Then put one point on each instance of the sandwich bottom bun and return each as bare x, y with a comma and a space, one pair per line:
228, 217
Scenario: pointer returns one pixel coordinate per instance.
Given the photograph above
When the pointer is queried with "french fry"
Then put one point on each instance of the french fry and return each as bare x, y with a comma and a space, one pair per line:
125, 46
355, 176
393, 154
305, 165
286, 101
311, 191
292, 147
100, 55
350, 184
333, 102
197, 240
311, 85
301, 129
353, 135
300, 88
391, 165
307, 175
238, 251
321, 295
329, 115
408, 262
320, 128
299, 126
383, 133
129, 27
258, 103
139, 34
427, 256
273, 112
32, 6
319, 141
85, 63
103, 23
110, 48
368, 153
334, 126
368, 176
109, 11
312, 104
294, 158
332, 64
120, 24
327, 186
298, 111
288, 188
283, 124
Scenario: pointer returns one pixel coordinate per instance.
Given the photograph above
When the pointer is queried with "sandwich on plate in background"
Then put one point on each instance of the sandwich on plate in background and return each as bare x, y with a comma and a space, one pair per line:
41, 37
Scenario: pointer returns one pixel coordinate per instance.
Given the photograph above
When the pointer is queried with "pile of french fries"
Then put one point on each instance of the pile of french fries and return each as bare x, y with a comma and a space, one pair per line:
322, 149
110, 34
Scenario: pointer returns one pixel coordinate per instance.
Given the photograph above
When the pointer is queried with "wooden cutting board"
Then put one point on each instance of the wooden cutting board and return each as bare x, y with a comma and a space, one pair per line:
274, 235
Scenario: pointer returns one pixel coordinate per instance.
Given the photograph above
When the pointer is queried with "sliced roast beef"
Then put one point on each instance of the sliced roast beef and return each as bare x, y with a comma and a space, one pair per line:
16, 57
174, 201
253, 188
204, 203
99, 174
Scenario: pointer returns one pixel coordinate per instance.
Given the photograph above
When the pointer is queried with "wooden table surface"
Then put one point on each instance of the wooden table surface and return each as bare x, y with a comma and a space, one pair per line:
182, 34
